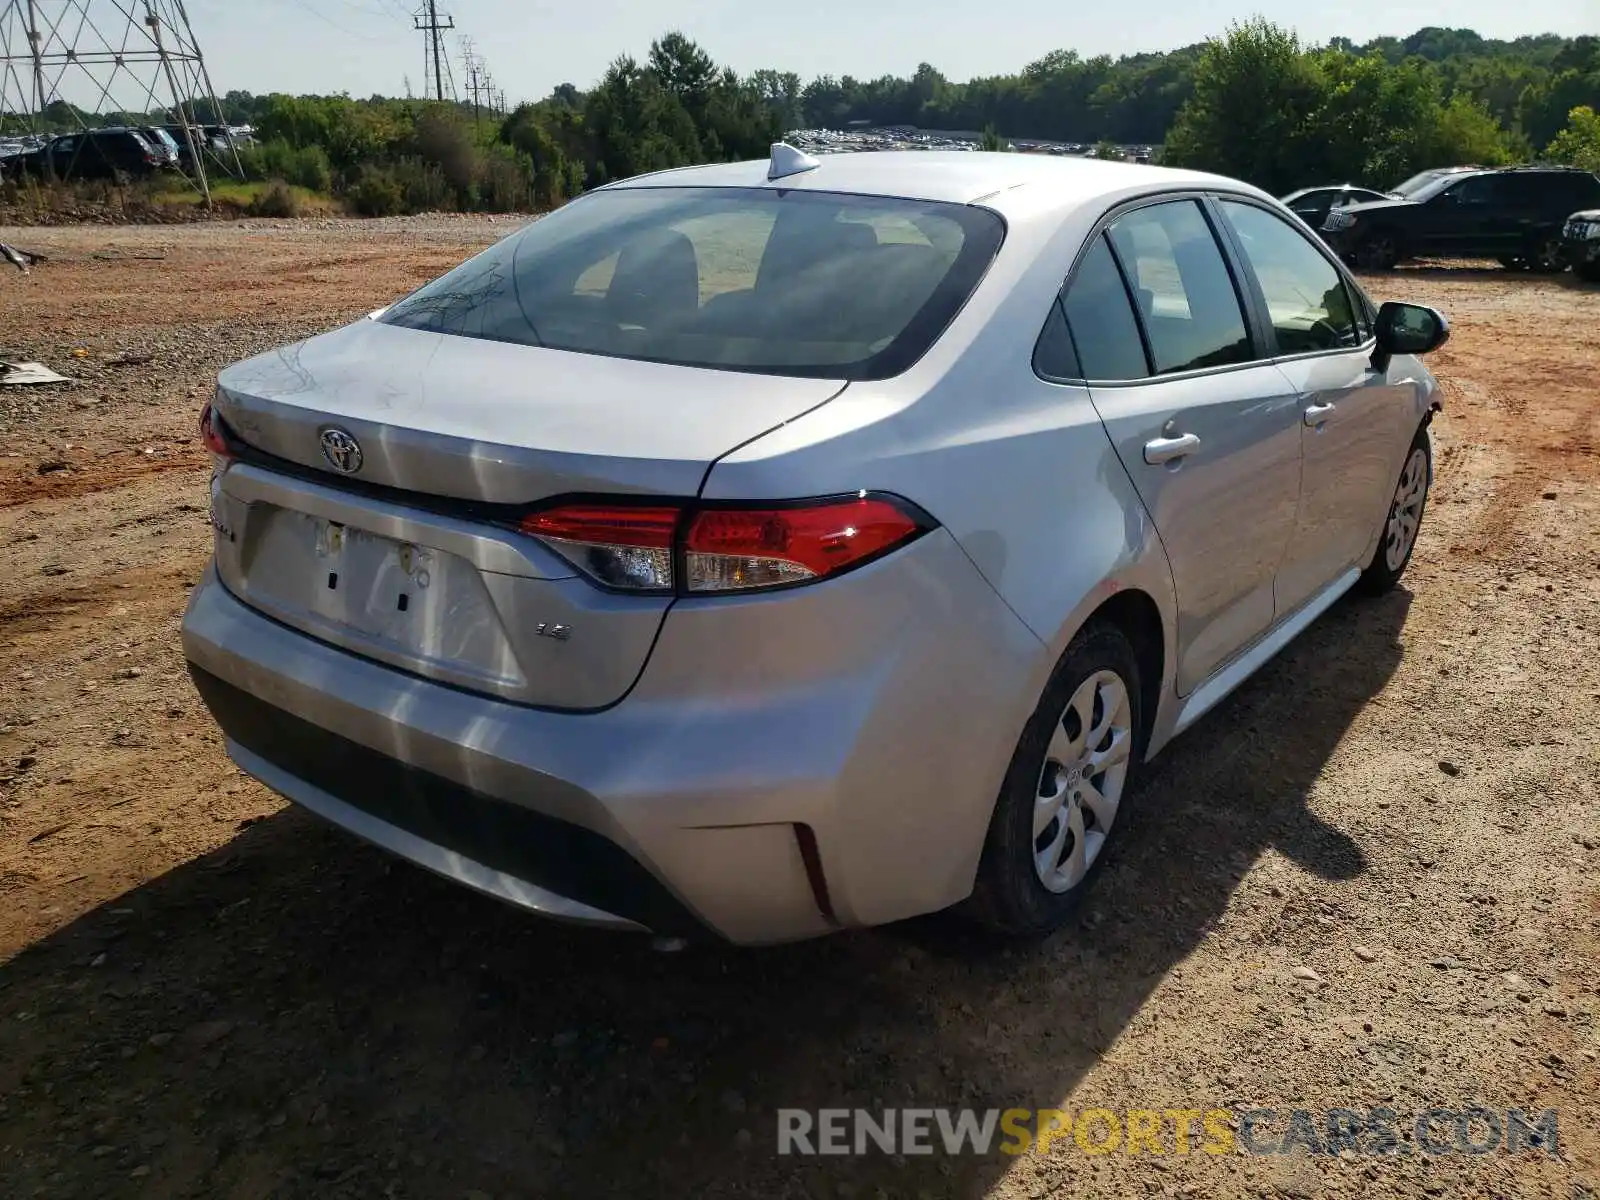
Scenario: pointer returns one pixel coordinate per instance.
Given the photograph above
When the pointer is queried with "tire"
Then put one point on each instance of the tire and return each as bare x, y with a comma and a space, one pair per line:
1403, 520
1513, 264
1378, 251
1544, 255
1096, 681
1589, 271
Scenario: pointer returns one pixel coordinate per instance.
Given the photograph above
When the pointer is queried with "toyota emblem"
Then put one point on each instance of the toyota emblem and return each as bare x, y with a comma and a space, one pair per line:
341, 450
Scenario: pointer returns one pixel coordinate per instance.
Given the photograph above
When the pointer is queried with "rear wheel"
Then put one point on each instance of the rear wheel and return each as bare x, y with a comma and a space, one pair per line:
1544, 254
1380, 251
1064, 793
1400, 528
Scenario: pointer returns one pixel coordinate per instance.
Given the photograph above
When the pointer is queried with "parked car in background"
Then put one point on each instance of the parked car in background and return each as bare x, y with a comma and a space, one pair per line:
804, 544
1513, 215
1313, 204
1580, 244
1423, 178
116, 153
164, 143
212, 141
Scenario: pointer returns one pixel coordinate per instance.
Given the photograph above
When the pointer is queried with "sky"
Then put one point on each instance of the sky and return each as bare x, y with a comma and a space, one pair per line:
368, 46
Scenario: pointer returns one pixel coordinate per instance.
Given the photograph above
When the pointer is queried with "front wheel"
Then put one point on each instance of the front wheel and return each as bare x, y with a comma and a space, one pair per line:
1405, 518
1065, 790
1589, 271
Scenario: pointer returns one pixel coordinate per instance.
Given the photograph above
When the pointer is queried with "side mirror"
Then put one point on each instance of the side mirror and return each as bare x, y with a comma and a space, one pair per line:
1407, 329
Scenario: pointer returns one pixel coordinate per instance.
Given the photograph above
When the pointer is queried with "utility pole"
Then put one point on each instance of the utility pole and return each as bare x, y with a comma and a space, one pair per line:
431, 28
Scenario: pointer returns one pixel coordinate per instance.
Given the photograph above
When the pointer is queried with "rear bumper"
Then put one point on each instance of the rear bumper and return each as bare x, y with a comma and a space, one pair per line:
786, 765
505, 850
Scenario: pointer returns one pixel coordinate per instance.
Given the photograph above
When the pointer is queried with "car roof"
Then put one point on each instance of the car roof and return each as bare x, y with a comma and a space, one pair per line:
953, 176
1329, 187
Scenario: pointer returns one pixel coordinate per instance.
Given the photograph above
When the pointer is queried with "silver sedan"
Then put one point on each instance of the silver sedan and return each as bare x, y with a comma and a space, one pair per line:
764, 549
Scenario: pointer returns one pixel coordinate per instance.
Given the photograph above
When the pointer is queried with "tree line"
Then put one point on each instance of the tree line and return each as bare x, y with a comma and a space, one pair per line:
1255, 103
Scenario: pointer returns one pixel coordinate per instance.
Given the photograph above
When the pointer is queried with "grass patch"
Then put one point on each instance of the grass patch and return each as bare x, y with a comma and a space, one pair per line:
234, 194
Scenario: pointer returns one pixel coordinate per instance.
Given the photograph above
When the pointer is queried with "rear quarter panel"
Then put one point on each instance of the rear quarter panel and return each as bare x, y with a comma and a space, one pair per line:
1020, 471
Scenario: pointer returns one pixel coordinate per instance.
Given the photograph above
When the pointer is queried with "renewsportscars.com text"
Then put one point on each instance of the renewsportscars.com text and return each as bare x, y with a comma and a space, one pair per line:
1373, 1131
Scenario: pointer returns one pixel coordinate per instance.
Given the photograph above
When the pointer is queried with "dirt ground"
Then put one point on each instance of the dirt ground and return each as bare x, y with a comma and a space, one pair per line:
206, 993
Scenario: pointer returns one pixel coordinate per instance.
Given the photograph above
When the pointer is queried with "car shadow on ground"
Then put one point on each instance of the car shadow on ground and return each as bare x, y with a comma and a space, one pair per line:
297, 1015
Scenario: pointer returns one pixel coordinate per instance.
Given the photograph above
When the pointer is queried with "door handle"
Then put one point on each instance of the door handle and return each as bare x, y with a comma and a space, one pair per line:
1316, 414
1169, 449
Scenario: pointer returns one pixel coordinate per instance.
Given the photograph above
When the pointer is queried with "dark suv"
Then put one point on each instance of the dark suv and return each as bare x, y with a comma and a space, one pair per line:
116, 153
1514, 215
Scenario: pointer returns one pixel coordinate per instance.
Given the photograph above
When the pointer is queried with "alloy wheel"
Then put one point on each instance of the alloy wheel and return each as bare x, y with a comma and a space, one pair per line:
1081, 782
1405, 514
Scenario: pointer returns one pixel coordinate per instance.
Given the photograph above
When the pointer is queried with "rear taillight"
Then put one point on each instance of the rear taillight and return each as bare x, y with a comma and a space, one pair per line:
735, 548
621, 547
725, 548
211, 433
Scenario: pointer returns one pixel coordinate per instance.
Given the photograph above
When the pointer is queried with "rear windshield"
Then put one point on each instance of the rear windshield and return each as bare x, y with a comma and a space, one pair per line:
785, 283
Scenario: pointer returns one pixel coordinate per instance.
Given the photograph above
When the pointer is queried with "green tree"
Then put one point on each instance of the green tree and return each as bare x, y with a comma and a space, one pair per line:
636, 125
781, 92
1252, 115
1464, 131
1579, 142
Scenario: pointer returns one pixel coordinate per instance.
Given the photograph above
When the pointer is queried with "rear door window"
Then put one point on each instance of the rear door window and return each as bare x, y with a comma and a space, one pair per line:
1184, 296
1054, 356
792, 283
1099, 317
1529, 193
1306, 297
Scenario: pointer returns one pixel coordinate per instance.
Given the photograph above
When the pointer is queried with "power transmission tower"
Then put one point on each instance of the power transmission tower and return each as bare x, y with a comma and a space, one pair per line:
475, 77
428, 23
480, 83
68, 60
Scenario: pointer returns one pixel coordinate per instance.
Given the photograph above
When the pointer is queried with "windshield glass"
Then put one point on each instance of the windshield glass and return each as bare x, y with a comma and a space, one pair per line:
1426, 184
788, 283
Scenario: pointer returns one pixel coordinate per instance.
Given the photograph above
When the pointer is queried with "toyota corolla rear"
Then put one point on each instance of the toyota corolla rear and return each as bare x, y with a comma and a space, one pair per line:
467, 602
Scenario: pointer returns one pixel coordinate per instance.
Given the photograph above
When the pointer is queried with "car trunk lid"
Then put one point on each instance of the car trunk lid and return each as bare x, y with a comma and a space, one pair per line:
410, 555
467, 418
